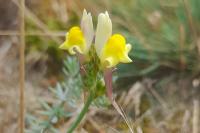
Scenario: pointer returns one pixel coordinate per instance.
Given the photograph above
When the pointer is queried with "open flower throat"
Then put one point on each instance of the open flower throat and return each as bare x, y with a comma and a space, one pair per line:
111, 49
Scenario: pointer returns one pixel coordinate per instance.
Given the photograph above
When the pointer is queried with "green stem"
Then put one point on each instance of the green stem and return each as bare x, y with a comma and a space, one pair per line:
82, 114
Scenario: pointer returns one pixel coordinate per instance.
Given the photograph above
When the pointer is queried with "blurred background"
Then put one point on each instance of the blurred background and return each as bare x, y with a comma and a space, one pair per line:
159, 92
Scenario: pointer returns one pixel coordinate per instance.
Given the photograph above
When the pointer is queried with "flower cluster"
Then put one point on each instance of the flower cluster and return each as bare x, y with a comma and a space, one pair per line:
96, 58
111, 49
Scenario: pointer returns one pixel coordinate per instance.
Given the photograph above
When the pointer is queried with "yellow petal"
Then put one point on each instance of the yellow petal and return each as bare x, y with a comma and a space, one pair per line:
125, 58
75, 36
74, 41
115, 51
64, 46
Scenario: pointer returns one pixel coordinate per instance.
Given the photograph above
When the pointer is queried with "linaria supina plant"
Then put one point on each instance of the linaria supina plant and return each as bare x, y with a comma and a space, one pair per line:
96, 61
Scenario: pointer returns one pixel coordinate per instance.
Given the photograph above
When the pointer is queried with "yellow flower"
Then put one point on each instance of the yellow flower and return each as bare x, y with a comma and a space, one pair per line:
111, 49
80, 39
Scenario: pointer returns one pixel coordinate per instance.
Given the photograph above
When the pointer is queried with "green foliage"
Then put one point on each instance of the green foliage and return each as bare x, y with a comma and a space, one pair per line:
67, 97
195, 4
153, 29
